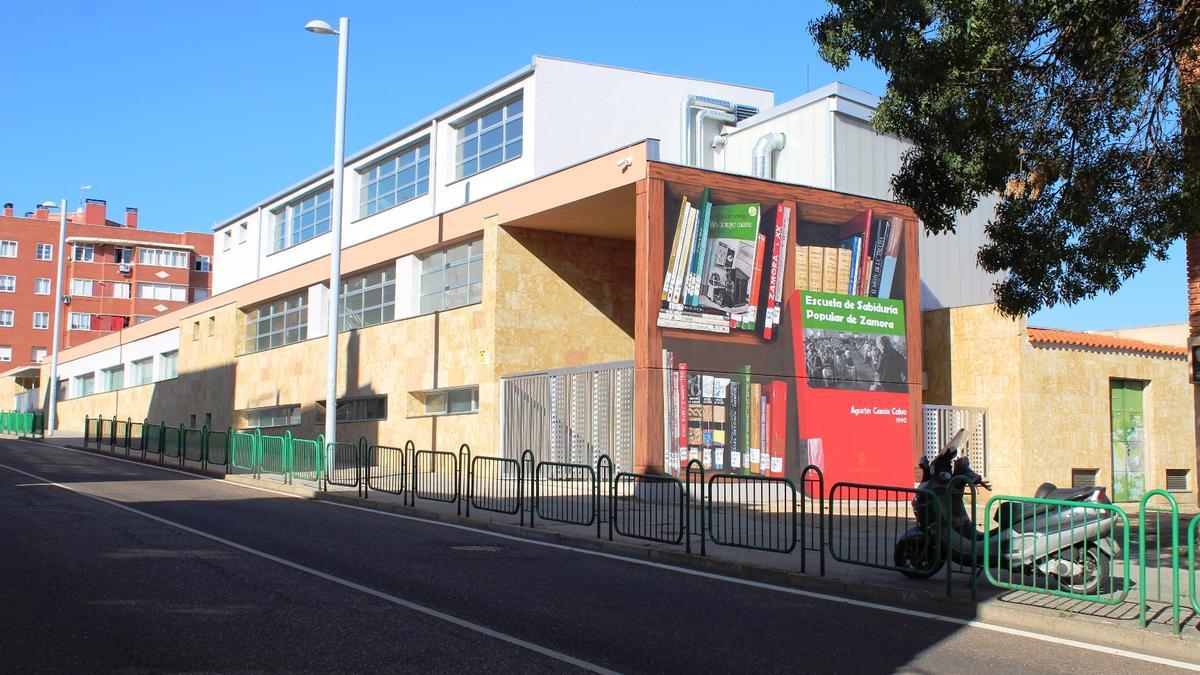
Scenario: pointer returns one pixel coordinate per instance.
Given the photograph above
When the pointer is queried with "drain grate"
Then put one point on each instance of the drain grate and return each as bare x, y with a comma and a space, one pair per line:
478, 547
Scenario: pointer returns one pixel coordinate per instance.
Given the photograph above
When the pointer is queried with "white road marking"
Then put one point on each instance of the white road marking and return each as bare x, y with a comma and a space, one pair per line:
971, 623
463, 623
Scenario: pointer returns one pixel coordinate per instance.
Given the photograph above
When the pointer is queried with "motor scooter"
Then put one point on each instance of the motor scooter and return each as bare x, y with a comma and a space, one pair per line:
1071, 546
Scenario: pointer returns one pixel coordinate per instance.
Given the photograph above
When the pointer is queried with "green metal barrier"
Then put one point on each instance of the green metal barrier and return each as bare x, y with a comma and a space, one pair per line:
243, 455
1036, 538
307, 461
273, 456
1193, 538
1144, 589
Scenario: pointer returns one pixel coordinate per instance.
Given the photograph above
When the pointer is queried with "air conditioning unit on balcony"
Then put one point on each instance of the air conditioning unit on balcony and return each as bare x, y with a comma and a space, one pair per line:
125, 268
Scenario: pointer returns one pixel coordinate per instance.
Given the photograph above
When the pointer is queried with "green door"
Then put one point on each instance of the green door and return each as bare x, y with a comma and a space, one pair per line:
1128, 439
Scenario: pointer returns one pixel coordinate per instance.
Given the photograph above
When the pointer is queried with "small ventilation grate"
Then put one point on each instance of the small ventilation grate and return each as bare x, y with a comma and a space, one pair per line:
482, 548
1177, 480
1083, 478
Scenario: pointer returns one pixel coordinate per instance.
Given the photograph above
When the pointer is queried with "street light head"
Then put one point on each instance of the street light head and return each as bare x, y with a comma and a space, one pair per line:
320, 27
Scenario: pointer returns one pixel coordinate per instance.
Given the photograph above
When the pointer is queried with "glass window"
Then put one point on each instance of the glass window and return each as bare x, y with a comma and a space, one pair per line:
368, 299
123, 254
8, 249
81, 287
278, 416
490, 138
359, 409
41, 286
41, 320
5, 352
85, 385
79, 321
114, 378
120, 289
170, 364
83, 252
203, 264
277, 323
142, 371
452, 277
8, 283
39, 354
199, 294
7, 318
242, 229
454, 401
45, 251
162, 292
395, 180
163, 257
302, 220
226, 240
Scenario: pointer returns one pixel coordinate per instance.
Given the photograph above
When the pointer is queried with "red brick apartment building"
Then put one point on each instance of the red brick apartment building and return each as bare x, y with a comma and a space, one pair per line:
114, 275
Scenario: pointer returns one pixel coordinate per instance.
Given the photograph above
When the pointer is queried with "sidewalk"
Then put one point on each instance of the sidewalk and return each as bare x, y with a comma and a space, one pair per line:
1113, 625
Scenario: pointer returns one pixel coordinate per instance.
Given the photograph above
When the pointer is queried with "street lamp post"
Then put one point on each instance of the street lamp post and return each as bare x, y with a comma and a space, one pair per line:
335, 244
52, 412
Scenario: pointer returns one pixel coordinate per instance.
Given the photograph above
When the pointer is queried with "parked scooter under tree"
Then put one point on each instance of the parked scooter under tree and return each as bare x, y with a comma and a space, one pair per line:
1071, 546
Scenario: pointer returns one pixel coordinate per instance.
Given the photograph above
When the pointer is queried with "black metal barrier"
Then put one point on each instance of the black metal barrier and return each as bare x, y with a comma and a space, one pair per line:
812, 482
346, 463
868, 524
754, 512
494, 484
386, 469
435, 477
565, 493
648, 507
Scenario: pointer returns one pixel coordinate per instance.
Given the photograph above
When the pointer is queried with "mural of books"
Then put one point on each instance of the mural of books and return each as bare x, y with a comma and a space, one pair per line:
863, 263
730, 422
726, 267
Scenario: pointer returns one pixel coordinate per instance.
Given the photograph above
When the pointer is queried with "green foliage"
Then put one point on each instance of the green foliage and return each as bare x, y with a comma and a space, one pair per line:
1068, 110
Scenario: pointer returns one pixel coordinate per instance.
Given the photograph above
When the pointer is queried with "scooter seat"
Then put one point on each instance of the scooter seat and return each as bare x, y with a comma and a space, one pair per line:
1052, 491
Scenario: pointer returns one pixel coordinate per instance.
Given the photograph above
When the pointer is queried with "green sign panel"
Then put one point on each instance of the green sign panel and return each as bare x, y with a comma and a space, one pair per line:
852, 313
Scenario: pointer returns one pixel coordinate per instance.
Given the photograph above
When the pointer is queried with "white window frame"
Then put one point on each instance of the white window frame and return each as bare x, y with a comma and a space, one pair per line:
243, 229
357, 291
33, 354
123, 255
259, 333
83, 252
469, 152
428, 396
108, 374
41, 283
75, 321
44, 252
276, 416
163, 257
8, 283
226, 240
170, 364
394, 180
5, 353
90, 378
88, 287
8, 248
438, 267
142, 371
45, 320
168, 292
122, 295
293, 226
8, 318
201, 263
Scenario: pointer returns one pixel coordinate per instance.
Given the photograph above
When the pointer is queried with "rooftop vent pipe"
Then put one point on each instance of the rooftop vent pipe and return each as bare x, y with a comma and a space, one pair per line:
765, 148
694, 110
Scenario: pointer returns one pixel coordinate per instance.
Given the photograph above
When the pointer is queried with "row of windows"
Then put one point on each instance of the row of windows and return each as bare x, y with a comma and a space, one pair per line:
450, 278
158, 257
36, 354
485, 140
8, 318
433, 402
86, 288
139, 372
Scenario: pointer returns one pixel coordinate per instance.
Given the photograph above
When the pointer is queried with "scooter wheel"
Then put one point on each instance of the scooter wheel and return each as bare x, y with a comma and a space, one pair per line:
1096, 566
915, 558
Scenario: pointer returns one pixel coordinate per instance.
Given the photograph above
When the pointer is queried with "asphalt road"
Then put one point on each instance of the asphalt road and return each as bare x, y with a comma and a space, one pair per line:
174, 572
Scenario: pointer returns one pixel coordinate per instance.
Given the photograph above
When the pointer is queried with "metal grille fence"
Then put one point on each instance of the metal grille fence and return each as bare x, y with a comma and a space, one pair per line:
435, 476
868, 522
648, 507
387, 468
216, 448
941, 422
756, 512
273, 457
306, 461
570, 415
495, 484
193, 445
565, 493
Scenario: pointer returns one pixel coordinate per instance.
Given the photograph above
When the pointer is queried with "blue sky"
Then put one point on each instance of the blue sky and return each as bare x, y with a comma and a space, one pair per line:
193, 111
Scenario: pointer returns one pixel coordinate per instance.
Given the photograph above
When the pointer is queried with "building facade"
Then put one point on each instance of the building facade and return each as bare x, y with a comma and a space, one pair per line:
1068, 407
114, 275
